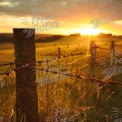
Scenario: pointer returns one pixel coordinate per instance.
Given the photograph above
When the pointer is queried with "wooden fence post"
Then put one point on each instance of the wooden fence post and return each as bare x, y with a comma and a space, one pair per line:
59, 51
93, 57
112, 49
26, 89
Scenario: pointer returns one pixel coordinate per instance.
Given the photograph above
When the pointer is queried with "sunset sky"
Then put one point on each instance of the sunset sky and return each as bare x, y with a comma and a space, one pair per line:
72, 16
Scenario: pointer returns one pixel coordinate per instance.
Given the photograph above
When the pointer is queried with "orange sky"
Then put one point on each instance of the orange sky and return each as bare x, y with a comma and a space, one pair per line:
62, 16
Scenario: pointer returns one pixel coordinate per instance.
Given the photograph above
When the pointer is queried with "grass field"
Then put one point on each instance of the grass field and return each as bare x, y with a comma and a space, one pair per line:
80, 100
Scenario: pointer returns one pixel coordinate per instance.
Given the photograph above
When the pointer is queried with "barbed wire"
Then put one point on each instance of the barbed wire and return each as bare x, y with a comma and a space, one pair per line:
58, 57
81, 77
102, 48
6, 74
55, 72
46, 60
98, 81
118, 45
12, 65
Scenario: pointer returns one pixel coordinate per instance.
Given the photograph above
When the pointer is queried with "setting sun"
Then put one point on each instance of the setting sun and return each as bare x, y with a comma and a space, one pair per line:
89, 31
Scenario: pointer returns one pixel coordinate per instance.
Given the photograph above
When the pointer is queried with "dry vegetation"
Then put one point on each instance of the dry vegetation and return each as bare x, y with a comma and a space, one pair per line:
79, 96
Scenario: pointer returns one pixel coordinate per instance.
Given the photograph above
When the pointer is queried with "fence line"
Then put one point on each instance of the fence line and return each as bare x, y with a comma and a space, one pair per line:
11, 64
67, 74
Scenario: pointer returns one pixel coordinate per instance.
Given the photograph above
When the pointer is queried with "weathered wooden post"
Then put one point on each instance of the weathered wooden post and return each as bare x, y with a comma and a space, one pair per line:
93, 57
112, 53
26, 89
112, 49
59, 51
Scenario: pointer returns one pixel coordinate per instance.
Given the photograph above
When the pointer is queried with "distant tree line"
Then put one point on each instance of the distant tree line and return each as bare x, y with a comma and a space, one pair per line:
5, 38
50, 38
8, 38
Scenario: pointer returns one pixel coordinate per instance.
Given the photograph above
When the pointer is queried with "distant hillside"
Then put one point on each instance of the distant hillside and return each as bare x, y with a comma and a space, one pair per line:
8, 37
49, 38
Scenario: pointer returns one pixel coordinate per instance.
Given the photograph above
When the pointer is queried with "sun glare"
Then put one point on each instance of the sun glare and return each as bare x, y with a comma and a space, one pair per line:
89, 31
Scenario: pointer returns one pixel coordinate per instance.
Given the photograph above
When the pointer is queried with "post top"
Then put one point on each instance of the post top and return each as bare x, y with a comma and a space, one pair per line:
21, 29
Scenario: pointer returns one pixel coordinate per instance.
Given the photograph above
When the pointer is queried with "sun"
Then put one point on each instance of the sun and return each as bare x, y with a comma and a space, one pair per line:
89, 31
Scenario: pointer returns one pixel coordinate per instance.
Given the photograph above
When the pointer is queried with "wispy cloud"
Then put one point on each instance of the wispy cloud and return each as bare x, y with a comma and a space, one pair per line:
57, 8
118, 22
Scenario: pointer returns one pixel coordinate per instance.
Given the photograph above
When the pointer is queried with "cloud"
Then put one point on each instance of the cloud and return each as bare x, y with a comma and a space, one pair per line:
118, 22
74, 11
59, 8
6, 3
